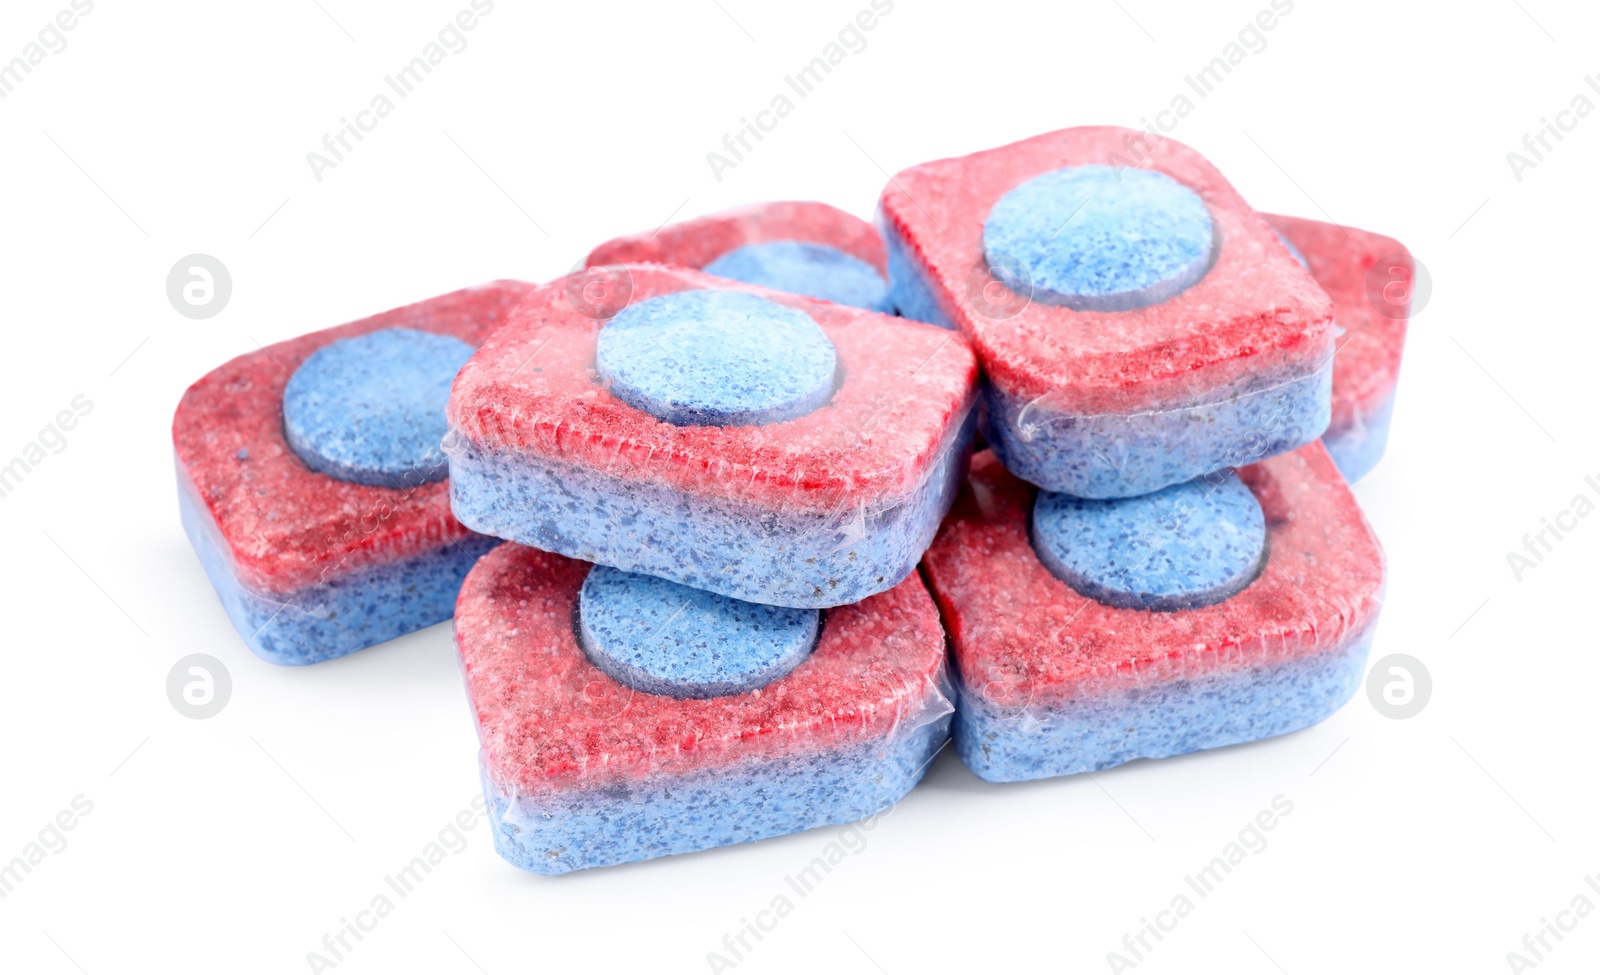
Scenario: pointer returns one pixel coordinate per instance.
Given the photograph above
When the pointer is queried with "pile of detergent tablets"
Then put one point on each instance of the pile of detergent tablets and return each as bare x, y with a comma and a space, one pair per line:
677, 501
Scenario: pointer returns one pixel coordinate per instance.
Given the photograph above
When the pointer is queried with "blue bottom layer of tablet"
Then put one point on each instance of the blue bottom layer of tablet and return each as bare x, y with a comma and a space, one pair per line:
343, 614
1357, 448
1111, 455
806, 558
753, 800
1157, 720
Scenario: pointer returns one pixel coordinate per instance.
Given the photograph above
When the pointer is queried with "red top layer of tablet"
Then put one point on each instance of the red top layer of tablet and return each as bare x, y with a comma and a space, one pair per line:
549, 719
696, 243
532, 388
284, 525
1343, 259
1020, 635
1256, 312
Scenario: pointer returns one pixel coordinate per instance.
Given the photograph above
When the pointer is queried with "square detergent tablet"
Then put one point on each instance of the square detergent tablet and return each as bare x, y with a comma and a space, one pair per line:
311, 479
751, 443
1370, 278
1138, 323
806, 248
1090, 633
624, 717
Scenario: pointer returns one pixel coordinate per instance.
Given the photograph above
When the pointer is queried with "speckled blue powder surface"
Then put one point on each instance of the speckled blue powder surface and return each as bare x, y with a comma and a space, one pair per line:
1157, 720
345, 612
370, 409
660, 637
1112, 455
753, 800
1100, 238
1357, 448
1183, 547
817, 270
908, 288
802, 557
716, 358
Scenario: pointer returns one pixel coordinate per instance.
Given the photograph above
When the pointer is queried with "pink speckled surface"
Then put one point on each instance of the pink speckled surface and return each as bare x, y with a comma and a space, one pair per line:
549, 719
905, 387
1367, 366
284, 525
696, 243
1255, 313
1014, 627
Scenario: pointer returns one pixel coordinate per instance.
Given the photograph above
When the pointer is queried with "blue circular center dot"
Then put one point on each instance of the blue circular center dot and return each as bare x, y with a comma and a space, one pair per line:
1097, 238
716, 358
371, 409
1183, 547
660, 637
814, 270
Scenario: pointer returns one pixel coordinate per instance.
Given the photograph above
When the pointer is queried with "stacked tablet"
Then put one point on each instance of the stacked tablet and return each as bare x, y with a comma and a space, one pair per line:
715, 632
1159, 555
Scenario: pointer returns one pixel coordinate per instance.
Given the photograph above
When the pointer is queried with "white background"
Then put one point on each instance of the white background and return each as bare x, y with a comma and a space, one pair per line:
235, 843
